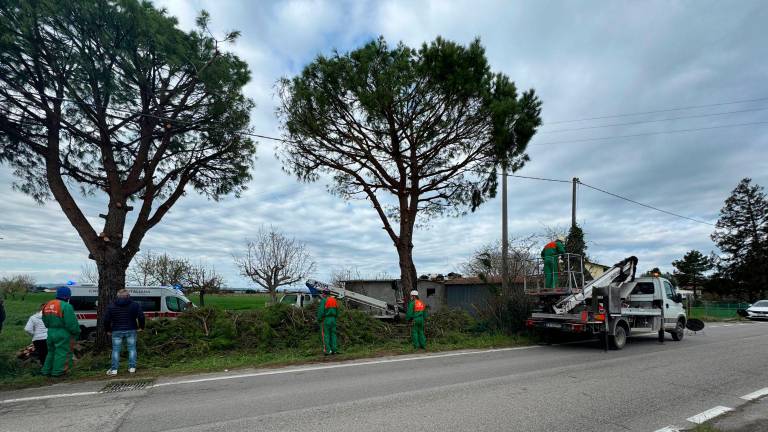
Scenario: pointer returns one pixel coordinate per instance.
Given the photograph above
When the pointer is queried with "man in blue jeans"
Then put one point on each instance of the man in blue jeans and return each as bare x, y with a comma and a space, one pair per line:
123, 318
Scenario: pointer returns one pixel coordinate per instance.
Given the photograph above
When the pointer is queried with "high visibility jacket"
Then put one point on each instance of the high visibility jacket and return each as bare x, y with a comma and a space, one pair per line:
59, 314
327, 308
553, 248
417, 309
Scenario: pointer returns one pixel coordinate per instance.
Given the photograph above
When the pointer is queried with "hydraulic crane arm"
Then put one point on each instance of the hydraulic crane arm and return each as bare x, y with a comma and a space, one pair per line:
621, 272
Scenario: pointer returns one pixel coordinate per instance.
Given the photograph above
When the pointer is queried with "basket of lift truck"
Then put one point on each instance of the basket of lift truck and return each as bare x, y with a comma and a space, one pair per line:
612, 305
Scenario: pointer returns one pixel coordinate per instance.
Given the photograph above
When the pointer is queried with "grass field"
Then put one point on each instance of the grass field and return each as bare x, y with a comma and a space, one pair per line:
13, 337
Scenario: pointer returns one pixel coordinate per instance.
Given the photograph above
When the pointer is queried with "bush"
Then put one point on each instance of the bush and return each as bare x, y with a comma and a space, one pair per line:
16, 285
205, 330
449, 321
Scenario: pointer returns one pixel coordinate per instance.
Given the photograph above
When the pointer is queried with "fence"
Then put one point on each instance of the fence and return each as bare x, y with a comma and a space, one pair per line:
716, 310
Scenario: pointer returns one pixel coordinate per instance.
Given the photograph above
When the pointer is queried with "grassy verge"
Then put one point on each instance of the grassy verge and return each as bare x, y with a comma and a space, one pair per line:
216, 339
93, 366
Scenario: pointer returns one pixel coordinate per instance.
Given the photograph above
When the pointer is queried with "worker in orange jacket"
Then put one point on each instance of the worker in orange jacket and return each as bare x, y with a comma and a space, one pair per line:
417, 314
550, 256
327, 312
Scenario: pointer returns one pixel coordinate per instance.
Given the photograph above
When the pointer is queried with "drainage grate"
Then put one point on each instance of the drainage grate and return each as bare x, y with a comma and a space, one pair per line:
121, 386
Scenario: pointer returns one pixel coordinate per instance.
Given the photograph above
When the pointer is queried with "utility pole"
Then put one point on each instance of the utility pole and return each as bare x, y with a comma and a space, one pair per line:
504, 233
573, 203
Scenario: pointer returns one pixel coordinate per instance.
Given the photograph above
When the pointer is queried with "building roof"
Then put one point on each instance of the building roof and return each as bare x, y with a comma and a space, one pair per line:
478, 281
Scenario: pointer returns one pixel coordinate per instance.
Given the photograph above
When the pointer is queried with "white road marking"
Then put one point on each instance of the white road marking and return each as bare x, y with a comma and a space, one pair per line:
756, 394
709, 414
280, 371
338, 366
53, 396
668, 429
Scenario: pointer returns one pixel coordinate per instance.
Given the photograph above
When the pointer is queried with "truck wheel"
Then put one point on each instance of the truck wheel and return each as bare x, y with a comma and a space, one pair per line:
679, 332
617, 340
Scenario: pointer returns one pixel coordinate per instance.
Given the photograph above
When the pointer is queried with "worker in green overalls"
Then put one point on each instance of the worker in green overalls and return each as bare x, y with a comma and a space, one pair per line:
59, 317
326, 316
417, 313
549, 255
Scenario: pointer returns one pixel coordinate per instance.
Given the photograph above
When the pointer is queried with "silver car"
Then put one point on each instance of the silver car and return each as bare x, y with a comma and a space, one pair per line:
759, 310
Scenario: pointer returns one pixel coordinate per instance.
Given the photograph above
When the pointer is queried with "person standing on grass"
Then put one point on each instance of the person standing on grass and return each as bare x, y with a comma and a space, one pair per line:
36, 328
63, 329
123, 319
417, 314
326, 316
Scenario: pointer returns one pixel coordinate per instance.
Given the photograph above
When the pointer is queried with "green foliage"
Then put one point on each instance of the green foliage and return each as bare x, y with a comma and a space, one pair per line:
574, 242
689, 271
742, 235
380, 115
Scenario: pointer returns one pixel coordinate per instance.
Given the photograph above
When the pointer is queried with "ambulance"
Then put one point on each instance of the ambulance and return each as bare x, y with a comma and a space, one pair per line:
155, 301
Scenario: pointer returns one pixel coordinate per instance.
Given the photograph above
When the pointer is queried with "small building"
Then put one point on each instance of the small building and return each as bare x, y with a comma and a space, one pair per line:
594, 269
390, 291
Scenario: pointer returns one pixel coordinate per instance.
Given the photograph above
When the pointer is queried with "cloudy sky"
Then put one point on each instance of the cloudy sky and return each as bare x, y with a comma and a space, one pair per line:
585, 59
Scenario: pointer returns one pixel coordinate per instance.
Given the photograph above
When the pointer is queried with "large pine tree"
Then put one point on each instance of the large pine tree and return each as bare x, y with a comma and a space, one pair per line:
742, 235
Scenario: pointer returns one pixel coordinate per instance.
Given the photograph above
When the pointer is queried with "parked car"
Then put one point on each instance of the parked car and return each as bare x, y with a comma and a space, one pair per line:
759, 310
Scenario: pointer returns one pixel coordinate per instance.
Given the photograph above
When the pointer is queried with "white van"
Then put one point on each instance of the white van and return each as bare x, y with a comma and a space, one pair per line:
156, 302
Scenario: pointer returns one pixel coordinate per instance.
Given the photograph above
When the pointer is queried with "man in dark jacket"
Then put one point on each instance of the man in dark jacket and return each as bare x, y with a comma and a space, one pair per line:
123, 318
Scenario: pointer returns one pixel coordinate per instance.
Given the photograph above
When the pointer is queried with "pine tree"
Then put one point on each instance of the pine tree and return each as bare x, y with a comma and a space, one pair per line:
574, 243
742, 235
690, 270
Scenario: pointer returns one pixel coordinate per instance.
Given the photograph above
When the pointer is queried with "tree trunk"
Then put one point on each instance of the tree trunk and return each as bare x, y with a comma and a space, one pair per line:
408, 278
273, 295
202, 298
112, 266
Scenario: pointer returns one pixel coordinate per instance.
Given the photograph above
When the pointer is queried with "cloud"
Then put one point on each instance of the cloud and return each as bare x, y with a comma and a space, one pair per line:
583, 59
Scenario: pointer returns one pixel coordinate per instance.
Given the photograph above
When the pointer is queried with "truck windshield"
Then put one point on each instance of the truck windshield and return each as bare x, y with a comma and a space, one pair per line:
289, 299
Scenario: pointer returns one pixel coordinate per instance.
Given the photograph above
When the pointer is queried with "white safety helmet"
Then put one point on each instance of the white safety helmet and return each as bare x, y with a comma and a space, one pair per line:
414, 293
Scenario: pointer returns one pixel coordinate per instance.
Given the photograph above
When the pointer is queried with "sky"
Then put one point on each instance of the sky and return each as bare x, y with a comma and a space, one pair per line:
585, 59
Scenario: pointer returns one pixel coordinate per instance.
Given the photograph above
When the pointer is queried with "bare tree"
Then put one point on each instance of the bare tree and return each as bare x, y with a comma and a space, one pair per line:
89, 274
486, 262
203, 279
158, 269
344, 274
273, 260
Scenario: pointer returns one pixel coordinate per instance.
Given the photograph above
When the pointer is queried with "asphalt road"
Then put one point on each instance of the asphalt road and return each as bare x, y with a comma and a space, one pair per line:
573, 387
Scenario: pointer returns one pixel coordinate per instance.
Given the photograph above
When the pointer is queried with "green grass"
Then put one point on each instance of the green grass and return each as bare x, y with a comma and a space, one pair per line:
233, 301
13, 337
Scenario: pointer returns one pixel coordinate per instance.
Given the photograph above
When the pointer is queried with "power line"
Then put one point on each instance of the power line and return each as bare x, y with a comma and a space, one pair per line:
657, 111
654, 121
649, 133
508, 175
646, 205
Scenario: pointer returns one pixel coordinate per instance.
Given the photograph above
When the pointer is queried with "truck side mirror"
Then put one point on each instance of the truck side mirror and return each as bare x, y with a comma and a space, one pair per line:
678, 298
